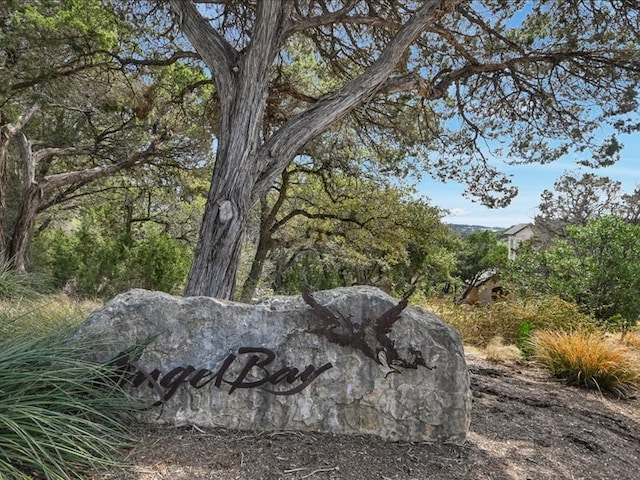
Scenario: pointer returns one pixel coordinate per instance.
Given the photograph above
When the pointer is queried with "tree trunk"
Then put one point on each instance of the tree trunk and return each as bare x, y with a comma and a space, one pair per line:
7, 134
257, 265
4, 159
265, 244
213, 272
24, 227
246, 165
243, 89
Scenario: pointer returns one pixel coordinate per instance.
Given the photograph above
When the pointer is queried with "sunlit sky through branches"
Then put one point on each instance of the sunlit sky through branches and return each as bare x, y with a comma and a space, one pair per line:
531, 180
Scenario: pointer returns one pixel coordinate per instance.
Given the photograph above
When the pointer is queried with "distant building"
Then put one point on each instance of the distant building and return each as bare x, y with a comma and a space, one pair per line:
486, 288
516, 235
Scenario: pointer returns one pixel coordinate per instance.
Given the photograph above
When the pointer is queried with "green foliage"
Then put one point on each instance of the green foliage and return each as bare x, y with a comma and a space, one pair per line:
159, 262
71, 19
589, 359
39, 34
60, 415
577, 201
481, 251
512, 318
346, 231
523, 338
106, 123
95, 259
598, 267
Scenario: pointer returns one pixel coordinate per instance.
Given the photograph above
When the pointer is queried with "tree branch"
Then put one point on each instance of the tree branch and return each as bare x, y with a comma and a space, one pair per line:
50, 183
293, 135
53, 76
322, 20
9, 130
46, 154
266, 38
159, 62
216, 52
315, 216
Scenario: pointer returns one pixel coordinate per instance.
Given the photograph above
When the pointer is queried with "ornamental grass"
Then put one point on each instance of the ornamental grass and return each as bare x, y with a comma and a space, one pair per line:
39, 315
589, 359
61, 415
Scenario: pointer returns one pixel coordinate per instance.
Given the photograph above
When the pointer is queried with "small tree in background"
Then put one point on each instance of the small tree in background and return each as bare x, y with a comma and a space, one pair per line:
481, 251
577, 201
597, 266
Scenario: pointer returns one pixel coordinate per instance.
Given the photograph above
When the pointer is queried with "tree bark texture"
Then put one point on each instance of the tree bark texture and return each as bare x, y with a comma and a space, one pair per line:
35, 191
5, 138
265, 242
7, 133
30, 201
246, 164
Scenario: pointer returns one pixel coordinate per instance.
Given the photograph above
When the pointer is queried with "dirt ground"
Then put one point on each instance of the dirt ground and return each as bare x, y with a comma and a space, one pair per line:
524, 426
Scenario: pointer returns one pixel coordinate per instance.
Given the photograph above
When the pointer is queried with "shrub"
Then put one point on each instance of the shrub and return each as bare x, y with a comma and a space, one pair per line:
159, 262
103, 263
523, 338
512, 319
588, 359
60, 415
597, 267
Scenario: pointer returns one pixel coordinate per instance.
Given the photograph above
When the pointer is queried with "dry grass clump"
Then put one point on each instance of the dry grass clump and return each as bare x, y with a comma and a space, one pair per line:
497, 351
589, 359
631, 339
512, 319
42, 314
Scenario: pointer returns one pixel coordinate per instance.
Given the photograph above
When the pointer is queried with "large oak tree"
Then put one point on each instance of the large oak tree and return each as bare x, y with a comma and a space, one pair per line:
512, 79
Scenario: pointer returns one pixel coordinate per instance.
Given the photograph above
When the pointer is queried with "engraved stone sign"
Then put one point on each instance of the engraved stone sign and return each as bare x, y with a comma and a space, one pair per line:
348, 360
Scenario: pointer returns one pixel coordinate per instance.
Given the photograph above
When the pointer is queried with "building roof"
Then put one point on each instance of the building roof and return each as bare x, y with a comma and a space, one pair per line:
516, 228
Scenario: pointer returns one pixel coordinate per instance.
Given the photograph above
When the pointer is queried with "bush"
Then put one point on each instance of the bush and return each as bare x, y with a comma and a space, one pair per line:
589, 359
159, 262
597, 267
512, 319
60, 415
101, 263
523, 338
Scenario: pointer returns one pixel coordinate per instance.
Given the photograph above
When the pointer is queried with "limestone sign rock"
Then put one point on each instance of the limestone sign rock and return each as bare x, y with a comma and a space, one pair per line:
281, 365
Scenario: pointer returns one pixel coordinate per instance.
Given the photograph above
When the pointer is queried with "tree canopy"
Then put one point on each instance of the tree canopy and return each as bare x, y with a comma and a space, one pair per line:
76, 107
521, 81
577, 201
597, 267
449, 87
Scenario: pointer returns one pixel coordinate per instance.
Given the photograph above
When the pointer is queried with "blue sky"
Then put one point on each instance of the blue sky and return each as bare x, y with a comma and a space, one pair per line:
531, 180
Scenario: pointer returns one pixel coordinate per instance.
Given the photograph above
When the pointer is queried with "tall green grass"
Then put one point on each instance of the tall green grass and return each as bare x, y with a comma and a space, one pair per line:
61, 415
24, 307
14, 285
